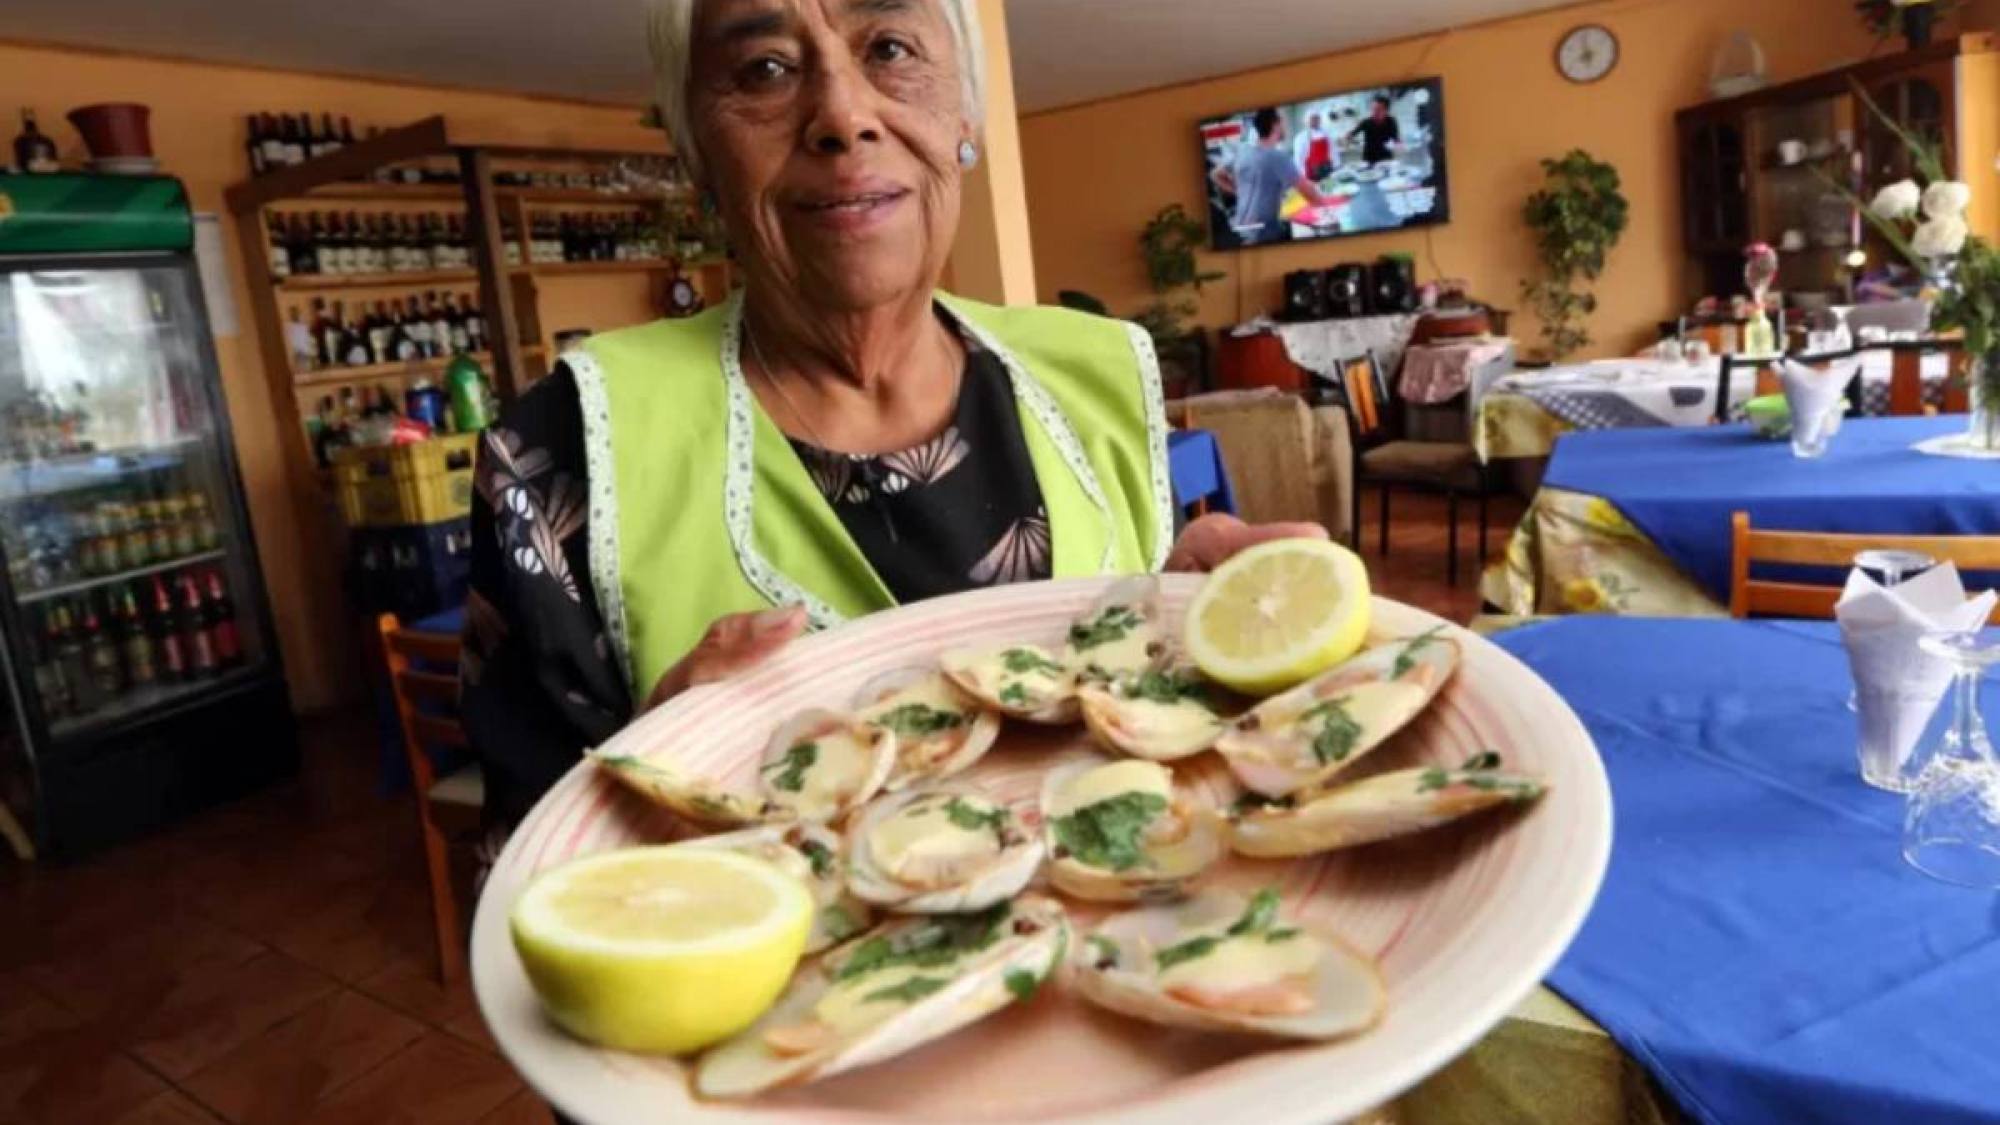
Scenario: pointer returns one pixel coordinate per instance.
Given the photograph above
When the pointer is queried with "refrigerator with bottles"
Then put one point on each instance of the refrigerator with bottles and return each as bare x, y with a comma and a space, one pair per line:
142, 678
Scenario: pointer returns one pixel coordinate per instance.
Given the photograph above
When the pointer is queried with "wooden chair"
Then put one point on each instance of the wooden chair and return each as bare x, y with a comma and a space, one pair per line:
1387, 460
1734, 367
423, 677
1750, 597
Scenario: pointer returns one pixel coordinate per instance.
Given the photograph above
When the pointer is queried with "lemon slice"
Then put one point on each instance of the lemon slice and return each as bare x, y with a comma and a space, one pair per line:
1279, 614
660, 949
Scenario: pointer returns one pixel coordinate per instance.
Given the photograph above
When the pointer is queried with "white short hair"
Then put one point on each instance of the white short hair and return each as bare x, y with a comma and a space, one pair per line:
670, 35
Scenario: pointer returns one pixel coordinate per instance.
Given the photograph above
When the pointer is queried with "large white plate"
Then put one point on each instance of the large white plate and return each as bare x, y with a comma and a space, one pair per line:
1466, 921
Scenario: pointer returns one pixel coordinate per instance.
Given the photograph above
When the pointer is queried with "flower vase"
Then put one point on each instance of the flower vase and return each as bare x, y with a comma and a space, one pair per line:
1984, 393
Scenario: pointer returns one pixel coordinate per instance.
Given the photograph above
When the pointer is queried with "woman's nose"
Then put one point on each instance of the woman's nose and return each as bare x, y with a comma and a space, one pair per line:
842, 114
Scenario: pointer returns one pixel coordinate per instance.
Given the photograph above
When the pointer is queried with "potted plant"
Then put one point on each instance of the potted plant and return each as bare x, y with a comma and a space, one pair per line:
1924, 221
1577, 216
1915, 19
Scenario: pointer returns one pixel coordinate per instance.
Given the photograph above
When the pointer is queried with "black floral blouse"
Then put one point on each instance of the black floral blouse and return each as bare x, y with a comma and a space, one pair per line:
540, 681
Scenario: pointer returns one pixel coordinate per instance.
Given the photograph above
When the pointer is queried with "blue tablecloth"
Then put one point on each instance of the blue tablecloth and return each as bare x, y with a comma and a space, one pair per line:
1679, 486
1759, 943
1194, 459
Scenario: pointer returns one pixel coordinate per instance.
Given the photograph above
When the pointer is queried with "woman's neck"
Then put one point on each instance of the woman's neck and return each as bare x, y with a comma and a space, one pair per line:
869, 381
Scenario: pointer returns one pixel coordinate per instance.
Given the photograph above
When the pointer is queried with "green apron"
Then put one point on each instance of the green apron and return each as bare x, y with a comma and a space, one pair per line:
699, 507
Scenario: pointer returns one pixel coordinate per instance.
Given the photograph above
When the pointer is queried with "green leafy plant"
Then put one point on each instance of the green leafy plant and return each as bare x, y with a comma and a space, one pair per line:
1577, 217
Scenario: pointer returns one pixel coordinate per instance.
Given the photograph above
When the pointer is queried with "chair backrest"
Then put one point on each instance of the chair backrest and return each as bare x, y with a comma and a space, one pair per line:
1736, 369
1366, 396
1750, 597
423, 677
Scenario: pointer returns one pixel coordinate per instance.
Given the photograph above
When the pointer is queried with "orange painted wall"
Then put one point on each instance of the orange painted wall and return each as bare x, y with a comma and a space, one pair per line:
1096, 173
198, 135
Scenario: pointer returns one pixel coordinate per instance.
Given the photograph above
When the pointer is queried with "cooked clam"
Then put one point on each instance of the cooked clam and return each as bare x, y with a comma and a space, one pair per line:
1300, 739
939, 851
822, 765
1220, 963
939, 731
1390, 805
1121, 831
902, 986
812, 855
1021, 682
1161, 715
696, 799
1122, 633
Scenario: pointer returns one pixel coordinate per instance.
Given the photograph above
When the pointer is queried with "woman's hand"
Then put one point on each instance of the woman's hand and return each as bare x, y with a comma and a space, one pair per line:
733, 644
1212, 540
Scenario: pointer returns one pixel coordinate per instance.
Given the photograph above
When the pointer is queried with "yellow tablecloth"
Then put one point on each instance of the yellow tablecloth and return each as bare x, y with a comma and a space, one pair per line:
1576, 553
1514, 426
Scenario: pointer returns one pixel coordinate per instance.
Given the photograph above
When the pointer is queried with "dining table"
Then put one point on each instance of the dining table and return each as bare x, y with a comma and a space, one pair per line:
1636, 522
1520, 414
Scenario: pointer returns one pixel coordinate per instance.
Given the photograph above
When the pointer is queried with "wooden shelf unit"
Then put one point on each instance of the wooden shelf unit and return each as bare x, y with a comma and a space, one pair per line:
509, 296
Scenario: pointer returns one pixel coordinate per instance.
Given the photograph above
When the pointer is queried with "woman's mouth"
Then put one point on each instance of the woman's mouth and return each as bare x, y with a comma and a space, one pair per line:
853, 212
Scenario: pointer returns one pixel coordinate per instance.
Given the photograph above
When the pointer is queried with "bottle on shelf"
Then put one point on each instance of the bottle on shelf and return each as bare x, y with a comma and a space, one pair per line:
253, 143
441, 319
329, 139
300, 342
166, 635
34, 152
107, 671
417, 328
207, 534
295, 141
141, 670
50, 683
74, 662
354, 343
475, 324
194, 629
425, 403
221, 619
465, 383
159, 529
277, 252
132, 531
346, 131
271, 141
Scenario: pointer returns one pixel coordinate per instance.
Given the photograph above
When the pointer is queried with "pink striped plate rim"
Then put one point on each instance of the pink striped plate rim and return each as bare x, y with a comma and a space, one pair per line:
1466, 921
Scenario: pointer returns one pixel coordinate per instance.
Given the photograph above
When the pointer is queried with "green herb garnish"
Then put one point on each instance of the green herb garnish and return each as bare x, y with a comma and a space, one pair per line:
1276, 936
915, 720
1114, 624
1014, 694
1189, 950
1338, 733
1105, 949
791, 769
1166, 687
1023, 984
1433, 779
908, 992
963, 815
938, 941
1023, 661
838, 923
1407, 659
1256, 921
819, 855
1107, 834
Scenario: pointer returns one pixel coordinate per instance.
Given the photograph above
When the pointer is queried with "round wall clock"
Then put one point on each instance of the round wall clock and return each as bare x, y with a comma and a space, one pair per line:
1587, 53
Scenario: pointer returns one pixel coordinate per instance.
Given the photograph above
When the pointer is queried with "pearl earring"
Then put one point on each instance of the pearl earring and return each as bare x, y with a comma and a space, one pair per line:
968, 155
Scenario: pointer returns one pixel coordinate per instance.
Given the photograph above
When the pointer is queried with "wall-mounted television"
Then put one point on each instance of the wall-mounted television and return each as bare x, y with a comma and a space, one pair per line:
1357, 162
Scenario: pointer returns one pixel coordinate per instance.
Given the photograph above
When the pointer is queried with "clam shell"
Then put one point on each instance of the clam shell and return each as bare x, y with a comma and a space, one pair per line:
809, 802
1383, 807
1270, 749
1170, 867
1349, 994
695, 799
837, 915
1142, 728
1000, 878
936, 756
1099, 649
745, 1065
972, 671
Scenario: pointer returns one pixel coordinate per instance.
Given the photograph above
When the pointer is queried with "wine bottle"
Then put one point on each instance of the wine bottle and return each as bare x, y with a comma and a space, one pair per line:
346, 131
107, 672
172, 664
417, 326
329, 140
75, 664
34, 152
140, 667
49, 682
195, 633
277, 255
354, 343
331, 354
253, 143
475, 326
300, 342
402, 340
440, 323
222, 630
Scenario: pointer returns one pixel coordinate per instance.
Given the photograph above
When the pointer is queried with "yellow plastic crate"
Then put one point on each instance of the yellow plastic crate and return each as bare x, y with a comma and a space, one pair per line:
392, 486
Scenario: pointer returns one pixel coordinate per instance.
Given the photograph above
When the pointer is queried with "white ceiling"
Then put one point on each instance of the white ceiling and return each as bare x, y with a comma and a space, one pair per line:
1065, 51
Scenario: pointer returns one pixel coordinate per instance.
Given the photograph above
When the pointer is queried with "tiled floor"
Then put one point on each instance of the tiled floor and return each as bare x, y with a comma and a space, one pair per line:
271, 961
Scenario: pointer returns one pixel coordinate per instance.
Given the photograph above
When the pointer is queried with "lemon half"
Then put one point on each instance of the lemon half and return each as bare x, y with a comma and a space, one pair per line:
1279, 614
660, 949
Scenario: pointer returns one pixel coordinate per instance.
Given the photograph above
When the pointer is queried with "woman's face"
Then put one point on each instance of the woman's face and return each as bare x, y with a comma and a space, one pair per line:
829, 130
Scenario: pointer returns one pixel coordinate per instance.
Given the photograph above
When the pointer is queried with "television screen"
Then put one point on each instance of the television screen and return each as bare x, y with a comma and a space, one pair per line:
1353, 163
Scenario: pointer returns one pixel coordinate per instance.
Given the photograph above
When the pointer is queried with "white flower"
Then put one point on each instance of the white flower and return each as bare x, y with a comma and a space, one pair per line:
1946, 199
1940, 238
1897, 201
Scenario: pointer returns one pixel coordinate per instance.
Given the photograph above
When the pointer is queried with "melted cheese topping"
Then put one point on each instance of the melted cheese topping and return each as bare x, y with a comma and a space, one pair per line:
1114, 780
921, 845
842, 767
1244, 963
931, 691
990, 672
846, 1008
1144, 720
1128, 654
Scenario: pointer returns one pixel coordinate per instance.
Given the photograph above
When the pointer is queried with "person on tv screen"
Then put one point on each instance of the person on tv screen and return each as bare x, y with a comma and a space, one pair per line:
1260, 179
1314, 149
1381, 137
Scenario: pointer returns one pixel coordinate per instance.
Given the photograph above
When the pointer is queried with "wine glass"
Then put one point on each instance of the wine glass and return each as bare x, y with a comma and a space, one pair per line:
1889, 568
1951, 829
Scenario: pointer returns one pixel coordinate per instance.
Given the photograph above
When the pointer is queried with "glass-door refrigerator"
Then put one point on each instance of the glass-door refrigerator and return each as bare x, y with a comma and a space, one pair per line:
142, 679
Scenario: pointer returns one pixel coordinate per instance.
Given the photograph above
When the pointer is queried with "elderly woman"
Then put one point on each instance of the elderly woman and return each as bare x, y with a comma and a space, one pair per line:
682, 498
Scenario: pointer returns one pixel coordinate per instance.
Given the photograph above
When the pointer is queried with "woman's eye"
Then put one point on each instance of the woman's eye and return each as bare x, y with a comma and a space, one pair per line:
764, 71
889, 51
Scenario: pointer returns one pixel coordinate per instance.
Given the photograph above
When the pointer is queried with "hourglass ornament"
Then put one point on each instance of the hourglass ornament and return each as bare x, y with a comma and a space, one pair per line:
1951, 830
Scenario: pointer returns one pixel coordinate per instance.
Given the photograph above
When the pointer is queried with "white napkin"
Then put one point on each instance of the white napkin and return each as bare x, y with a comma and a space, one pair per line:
1815, 395
1898, 685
